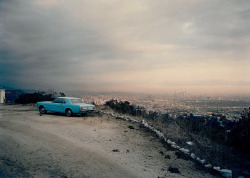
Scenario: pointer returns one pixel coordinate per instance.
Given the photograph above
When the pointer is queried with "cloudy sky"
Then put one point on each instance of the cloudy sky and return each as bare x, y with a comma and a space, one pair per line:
198, 46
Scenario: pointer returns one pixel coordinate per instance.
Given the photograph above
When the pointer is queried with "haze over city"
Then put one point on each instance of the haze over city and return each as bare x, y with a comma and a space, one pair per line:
126, 46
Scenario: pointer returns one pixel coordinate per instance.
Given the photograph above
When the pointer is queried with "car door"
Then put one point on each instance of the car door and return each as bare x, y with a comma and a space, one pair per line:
58, 105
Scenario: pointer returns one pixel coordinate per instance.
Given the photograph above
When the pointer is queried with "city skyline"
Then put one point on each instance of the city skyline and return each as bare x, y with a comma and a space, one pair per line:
126, 46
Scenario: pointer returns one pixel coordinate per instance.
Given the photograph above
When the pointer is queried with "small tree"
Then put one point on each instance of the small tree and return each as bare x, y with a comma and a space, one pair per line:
62, 94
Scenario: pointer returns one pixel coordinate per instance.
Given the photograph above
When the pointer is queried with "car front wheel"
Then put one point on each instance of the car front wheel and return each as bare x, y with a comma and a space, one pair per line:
69, 113
42, 110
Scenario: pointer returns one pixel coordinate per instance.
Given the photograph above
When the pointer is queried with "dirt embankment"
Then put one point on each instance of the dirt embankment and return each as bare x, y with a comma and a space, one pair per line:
53, 145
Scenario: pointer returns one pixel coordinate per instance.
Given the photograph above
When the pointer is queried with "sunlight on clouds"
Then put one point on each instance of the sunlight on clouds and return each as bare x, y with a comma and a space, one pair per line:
213, 76
188, 28
46, 3
147, 47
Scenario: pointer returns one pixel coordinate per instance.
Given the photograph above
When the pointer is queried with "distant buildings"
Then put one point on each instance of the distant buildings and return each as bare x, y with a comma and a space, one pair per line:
182, 103
2, 95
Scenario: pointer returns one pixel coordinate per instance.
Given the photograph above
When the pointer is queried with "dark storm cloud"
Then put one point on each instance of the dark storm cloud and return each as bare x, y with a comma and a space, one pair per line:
44, 42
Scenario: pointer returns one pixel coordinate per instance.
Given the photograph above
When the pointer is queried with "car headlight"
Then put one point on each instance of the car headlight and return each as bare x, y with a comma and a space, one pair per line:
83, 108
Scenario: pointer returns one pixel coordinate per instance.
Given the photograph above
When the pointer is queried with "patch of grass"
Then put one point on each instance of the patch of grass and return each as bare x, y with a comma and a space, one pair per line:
131, 127
173, 170
116, 150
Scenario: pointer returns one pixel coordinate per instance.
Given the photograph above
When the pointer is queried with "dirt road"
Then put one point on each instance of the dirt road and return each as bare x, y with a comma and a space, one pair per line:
54, 145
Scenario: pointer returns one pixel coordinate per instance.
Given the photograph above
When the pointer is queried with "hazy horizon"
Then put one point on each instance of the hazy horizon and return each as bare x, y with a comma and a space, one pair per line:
144, 46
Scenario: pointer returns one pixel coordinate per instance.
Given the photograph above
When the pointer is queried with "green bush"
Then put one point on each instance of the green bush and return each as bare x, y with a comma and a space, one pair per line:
122, 106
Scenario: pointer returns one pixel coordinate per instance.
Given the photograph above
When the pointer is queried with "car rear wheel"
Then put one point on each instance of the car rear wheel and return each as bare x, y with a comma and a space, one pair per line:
42, 110
69, 113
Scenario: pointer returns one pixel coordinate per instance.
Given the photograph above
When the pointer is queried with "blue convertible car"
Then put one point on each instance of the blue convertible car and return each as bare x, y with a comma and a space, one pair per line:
67, 105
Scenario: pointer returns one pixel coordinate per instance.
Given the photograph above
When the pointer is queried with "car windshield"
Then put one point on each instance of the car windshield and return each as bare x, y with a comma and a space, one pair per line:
75, 101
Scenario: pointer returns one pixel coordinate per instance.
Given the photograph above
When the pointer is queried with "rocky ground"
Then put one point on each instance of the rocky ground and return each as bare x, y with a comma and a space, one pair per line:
53, 145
